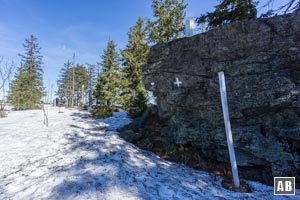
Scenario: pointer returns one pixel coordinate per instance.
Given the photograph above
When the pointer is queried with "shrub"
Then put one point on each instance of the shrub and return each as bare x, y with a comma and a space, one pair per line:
101, 112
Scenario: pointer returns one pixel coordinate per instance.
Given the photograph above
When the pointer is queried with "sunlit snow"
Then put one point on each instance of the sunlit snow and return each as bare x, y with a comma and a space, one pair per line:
76, 158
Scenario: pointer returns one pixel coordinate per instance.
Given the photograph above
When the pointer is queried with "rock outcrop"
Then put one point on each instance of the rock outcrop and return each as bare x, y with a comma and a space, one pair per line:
261, 62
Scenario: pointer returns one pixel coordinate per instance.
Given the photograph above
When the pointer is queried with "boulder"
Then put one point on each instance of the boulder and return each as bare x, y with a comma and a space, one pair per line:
261, 62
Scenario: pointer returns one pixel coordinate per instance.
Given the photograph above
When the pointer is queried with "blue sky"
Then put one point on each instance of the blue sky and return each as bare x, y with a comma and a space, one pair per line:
83, 27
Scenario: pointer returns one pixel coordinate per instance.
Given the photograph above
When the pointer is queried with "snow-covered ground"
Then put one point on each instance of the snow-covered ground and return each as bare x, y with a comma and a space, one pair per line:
75, 158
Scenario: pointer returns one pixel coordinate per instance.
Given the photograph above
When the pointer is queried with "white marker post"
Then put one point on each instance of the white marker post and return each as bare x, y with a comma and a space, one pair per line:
190, 27
234, 169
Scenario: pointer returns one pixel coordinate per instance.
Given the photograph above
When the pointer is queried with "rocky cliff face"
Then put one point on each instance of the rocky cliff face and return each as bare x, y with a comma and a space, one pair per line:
261, 62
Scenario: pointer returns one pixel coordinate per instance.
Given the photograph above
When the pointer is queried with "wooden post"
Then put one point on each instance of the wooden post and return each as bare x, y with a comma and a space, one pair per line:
73, 87
234, 169
82, 95
73, 81
46, 122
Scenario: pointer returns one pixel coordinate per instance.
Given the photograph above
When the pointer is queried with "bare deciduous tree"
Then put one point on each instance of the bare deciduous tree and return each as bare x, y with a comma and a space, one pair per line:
6, 71
290, 6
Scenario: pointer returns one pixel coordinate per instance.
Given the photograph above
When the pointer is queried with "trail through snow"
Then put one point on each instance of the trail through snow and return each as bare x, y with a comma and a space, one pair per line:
75, 158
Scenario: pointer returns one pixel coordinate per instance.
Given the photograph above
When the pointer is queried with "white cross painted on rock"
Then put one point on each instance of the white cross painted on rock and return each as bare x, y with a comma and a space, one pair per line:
177, 82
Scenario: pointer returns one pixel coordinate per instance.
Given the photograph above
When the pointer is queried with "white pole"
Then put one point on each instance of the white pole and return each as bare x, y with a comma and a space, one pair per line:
190, 27
234, 169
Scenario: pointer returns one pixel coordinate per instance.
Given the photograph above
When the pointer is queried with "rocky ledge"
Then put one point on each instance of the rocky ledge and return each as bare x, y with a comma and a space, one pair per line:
261, 62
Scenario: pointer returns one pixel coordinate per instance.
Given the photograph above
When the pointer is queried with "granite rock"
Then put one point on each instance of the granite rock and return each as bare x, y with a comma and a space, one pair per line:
261, 62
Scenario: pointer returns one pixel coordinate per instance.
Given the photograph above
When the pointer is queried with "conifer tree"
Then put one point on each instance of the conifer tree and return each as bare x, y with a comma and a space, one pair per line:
91, 72
107, 91
134, 57
80, 84
64, 84
27, 87
229, 11
169, 24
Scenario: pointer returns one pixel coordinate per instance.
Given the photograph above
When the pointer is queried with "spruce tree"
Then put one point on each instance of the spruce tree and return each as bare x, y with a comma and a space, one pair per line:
64, 84
91, 72
107, 91
229, 11
134, 57
80, 84
27, 87
169, 24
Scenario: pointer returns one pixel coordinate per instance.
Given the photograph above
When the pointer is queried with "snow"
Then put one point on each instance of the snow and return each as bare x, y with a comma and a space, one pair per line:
76, 158
118, 120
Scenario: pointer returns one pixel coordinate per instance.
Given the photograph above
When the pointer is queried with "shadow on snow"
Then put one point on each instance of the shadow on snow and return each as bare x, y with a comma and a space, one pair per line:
110, 165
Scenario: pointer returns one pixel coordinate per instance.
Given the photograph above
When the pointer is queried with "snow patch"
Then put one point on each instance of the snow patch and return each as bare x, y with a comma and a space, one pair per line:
72, 160
118, 120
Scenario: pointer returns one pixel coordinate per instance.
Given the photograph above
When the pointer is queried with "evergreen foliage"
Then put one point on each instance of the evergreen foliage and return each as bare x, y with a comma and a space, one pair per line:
91, 83
168, 25
107, 91
229, 11
65, 83
27, 87
134, 57
81, 79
